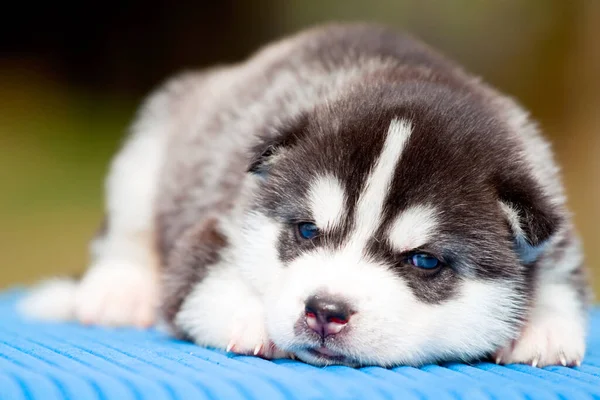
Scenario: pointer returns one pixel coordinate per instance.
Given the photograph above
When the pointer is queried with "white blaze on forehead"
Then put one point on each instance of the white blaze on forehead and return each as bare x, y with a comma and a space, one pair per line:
371, 201
327, 201
413, 228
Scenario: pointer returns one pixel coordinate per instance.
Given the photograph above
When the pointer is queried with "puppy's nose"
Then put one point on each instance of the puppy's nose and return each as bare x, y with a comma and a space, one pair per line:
326, 315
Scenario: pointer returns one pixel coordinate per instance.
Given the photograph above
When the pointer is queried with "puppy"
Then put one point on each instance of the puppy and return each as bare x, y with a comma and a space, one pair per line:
346, 196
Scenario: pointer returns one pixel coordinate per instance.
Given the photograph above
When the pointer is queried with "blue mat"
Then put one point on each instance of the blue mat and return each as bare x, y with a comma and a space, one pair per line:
67, 361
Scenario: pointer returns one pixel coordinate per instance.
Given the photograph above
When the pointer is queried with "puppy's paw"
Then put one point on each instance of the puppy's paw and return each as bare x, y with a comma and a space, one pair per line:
117, 293
249, 336
547, 341
51, 300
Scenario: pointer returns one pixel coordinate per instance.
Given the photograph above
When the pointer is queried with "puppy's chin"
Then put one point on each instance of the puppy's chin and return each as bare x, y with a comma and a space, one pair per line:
319, 358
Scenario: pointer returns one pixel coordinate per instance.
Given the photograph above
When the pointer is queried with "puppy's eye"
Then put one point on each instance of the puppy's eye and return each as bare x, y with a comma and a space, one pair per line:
307, 230
424, 261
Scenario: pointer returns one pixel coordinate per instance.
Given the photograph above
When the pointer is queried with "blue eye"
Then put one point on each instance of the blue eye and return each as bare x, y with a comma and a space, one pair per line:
424, 261
307, 230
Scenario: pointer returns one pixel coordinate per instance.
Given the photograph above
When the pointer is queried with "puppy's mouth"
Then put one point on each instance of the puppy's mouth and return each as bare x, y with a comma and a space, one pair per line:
326, 354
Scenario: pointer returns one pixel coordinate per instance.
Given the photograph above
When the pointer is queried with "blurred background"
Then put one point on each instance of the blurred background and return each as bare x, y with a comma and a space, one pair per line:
72, 76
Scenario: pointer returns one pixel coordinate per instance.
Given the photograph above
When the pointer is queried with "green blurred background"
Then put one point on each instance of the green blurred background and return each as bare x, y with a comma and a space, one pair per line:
72, 75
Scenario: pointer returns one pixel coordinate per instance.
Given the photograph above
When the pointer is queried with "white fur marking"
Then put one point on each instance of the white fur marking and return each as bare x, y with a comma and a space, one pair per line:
327, 201
413, 228
372, 199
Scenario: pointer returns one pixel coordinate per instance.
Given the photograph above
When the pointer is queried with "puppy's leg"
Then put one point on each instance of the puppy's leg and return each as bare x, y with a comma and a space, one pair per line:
205, 298
555, 331
120, 287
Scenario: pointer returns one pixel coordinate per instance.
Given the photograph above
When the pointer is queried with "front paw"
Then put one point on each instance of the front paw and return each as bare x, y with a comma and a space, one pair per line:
546, 341
249, 337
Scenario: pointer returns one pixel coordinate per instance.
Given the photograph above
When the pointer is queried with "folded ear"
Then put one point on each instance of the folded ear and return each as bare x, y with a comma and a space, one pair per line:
531, 215
269, 149
265, 155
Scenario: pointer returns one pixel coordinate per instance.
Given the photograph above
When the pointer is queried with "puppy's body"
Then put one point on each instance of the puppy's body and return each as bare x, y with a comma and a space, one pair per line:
393, 154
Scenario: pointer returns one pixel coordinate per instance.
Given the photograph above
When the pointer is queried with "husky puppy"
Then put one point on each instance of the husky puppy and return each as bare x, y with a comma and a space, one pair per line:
345, 196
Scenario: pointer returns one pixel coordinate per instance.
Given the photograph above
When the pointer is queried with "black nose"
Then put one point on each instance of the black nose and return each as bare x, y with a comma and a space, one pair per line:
326, 315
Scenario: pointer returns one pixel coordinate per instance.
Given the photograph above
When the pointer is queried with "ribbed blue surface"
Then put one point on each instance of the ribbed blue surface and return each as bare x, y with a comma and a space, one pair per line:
48, 361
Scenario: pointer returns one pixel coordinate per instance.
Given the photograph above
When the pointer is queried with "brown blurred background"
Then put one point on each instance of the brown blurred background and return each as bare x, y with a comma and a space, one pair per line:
71, 77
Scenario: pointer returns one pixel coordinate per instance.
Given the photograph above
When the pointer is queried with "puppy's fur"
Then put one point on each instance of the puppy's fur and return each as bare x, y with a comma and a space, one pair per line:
390, 149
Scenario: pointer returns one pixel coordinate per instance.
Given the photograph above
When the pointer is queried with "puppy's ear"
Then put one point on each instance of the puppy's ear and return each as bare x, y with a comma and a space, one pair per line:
268, 150
530, 213
264, 157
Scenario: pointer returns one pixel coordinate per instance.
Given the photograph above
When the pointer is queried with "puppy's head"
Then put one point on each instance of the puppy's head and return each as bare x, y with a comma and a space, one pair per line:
395, 225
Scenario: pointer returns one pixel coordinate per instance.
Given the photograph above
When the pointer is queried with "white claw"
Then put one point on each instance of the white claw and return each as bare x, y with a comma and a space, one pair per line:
498, 359
230, 347
535, 361
563, 359
258, 349
292, 356
578, 363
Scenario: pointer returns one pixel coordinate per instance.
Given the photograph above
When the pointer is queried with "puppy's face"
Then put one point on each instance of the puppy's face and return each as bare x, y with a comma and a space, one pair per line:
391, 228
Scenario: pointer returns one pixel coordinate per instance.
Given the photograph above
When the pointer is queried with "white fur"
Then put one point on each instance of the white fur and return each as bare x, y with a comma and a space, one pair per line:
514, 220
222, 308
223, 312
255, 253
555, 332
327, 200
118, 293
51, 300
370, 204
413, 228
